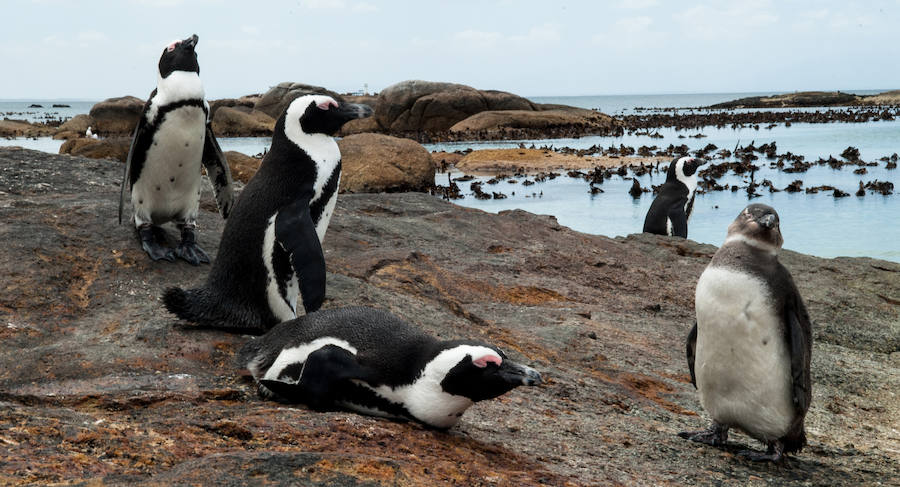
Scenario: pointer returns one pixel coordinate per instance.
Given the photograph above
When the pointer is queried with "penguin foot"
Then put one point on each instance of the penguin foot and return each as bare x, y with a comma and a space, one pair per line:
152, 245
716, 435
188, 249
775, 453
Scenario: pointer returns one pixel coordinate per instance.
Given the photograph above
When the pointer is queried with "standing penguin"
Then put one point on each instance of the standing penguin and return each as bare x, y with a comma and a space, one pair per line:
369, 361
270, 254
171, 140
670, 211
749, 351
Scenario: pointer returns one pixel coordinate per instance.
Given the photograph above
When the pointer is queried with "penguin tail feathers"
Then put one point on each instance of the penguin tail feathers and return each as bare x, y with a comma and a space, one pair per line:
795, 440
207, 309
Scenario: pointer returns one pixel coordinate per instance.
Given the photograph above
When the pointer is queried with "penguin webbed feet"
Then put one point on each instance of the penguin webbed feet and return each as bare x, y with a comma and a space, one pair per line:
188, 250
153, 242
716, 435
774, 453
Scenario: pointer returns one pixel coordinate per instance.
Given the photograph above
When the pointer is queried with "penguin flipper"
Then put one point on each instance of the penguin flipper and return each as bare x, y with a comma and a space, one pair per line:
799, 331
691, 351
218, 171
320, 379
126, 176
679, 219
296, 233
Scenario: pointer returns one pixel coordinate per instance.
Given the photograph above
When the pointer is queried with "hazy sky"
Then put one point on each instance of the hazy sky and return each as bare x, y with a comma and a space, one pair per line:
95, 50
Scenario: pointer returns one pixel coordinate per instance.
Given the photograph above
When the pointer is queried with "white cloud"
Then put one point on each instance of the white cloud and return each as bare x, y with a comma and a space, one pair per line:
478, 37
250, 29
726, 21
630, 32
541, 33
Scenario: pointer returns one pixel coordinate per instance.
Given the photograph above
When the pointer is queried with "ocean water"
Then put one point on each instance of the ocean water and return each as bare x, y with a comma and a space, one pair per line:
817, 224
22, 110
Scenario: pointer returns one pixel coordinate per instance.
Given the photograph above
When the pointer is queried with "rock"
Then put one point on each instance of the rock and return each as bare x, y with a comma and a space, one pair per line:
21, 128
241, 121
411, 106
885, 98
373, 163
74, 127
359, 126
536, 120
99, 385
797, 99
116, 116
276, 100
107, 148
248, 101
243, 167
534, 160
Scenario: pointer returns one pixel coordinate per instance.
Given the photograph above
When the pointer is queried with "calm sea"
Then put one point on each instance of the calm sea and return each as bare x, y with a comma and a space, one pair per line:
817, 224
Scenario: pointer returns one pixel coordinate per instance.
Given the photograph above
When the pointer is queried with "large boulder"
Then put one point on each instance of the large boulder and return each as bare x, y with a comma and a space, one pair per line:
277, 99
242, 121
248, 101
74, 127
412, 106
359, 126
116, 116
110, 148
373, 163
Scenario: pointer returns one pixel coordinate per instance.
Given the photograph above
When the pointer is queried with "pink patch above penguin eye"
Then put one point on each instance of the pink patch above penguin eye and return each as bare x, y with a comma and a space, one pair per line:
325, 105
171, 47
487, 359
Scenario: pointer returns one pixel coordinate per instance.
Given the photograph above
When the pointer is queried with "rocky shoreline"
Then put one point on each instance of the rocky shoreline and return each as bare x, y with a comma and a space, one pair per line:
99, 385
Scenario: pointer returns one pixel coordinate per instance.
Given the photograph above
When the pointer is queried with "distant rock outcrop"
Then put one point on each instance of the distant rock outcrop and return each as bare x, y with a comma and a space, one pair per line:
75, 127
374, 163
797, 99
412, 106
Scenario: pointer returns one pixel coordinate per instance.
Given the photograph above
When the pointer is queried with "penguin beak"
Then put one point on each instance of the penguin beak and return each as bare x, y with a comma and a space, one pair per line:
190, 42
517, 374
352, 111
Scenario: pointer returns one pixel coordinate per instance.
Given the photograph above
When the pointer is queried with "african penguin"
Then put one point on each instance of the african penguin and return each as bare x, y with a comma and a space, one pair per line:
670, 211
172, 139
749, 350
369, 361
270, 255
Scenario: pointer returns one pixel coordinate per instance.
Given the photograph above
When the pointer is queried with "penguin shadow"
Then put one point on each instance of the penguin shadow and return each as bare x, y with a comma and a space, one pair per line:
793, 467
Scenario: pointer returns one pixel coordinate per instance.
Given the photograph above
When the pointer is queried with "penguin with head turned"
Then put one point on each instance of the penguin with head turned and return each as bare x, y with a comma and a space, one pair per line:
172, 139
270, 260
749, 351
670, 211
369, 361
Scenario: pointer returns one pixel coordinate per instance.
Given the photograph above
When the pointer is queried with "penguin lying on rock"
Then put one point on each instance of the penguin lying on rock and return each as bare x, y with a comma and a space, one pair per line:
749, 351
670, 211
172, 138
270, 256
369, 361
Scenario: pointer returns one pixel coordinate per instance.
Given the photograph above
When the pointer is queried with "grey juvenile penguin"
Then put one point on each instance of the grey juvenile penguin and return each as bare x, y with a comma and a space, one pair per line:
369, 361
173, 137
749, 350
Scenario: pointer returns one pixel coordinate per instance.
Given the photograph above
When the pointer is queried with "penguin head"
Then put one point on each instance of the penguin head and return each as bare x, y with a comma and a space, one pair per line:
479, 372
179, 56
757, 225
321, 114
684, 169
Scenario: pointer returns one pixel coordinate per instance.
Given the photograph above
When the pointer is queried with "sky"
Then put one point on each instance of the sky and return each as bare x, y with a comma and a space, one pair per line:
92, 50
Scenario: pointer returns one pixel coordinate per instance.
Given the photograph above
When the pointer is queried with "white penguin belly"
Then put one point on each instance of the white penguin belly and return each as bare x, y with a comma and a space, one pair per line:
169, 184
742, 363
322, 225
283, 306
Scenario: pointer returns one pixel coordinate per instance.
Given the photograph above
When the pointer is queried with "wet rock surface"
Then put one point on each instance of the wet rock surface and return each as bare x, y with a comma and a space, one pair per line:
99, 384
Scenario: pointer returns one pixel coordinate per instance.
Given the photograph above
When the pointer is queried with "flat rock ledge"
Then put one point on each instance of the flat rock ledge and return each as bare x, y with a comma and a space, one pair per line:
99, 385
